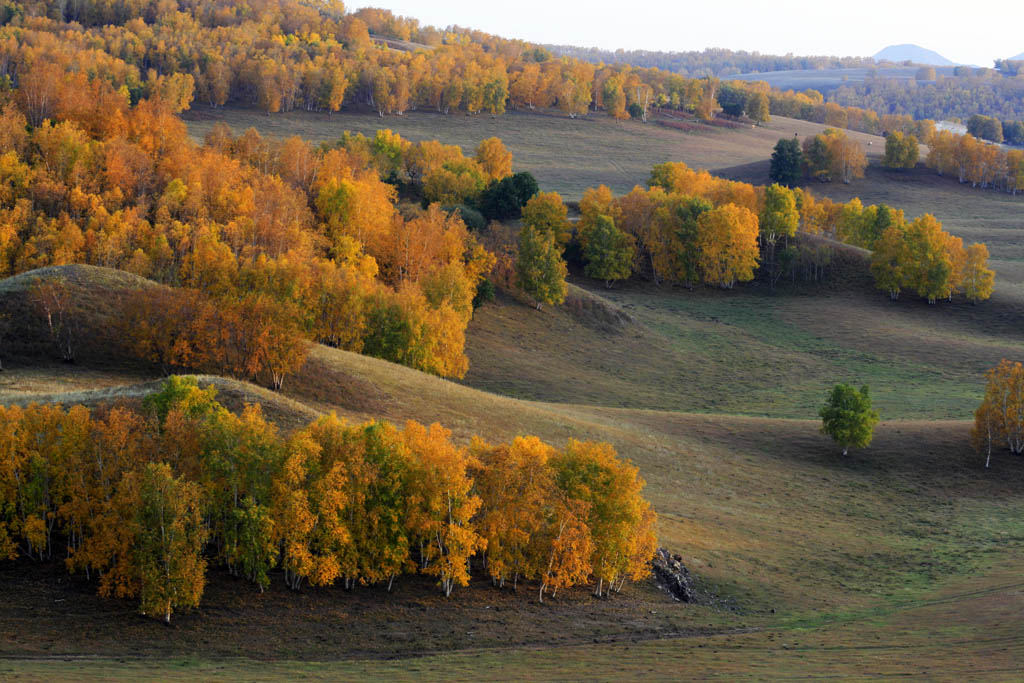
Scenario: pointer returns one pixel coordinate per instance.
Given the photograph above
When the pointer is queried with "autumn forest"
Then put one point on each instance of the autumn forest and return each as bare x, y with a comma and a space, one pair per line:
255, 376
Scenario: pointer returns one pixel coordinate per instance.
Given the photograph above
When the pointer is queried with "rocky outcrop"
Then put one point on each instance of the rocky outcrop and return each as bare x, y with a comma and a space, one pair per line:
672, 575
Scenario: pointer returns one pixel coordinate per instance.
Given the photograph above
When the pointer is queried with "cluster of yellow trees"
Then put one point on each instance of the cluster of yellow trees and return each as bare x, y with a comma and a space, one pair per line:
977, 162
254, 337
999, 420
833, 155
143, 502
691, 227
917, 255
921, 256
282, 55
312, 237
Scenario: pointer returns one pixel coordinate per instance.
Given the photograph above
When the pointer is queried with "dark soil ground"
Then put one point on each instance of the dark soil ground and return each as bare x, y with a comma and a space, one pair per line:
44, 612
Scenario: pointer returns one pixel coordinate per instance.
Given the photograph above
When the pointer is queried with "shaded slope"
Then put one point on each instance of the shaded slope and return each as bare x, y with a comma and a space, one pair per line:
749, 351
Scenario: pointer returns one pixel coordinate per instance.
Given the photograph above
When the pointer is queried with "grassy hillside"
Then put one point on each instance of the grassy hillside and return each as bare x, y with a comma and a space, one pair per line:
566, 155
830, 79
813, 557
810, 563
765, 511
750, 351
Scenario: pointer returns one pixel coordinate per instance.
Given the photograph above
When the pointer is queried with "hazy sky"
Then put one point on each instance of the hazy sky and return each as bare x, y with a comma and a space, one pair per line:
972, 33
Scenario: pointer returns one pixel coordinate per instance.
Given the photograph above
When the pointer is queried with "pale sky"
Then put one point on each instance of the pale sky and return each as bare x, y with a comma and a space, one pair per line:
970, 33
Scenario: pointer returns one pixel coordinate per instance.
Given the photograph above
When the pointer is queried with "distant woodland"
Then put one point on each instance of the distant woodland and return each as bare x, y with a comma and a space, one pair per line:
282, 55
718, 62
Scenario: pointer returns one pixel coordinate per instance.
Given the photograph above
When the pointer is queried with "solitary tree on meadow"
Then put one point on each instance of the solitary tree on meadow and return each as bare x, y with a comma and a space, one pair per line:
848, 418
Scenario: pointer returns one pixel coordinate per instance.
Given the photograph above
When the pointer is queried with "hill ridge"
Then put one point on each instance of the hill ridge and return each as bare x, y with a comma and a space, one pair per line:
914, 53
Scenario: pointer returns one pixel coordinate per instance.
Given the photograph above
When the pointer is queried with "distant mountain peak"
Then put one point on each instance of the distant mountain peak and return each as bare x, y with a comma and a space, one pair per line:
1019, 57
913, 53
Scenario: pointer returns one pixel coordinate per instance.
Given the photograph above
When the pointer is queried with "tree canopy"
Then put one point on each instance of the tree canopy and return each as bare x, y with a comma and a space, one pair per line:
999, 420
787, 162
540, 269
900, 151
144, 502
609, 252
847, 417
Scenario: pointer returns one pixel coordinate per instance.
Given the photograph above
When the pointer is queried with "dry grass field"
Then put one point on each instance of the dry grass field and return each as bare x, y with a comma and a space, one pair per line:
566, 155
830, 79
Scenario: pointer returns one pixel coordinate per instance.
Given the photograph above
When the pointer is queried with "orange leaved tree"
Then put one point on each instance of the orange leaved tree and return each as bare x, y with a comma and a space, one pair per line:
1000, 417
441, 505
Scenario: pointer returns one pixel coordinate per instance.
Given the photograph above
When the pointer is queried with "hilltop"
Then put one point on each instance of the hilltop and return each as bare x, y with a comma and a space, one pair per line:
912, 53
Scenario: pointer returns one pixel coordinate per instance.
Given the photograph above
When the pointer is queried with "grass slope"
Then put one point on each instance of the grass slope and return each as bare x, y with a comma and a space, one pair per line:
765, 511
566, 155
748, 351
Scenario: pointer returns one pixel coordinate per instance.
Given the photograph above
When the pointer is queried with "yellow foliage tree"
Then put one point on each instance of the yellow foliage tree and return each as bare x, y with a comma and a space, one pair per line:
1000, 417
441, 505
516, 487
168, 537
727, 243
619, 519
978, 278
547, 214
494, 158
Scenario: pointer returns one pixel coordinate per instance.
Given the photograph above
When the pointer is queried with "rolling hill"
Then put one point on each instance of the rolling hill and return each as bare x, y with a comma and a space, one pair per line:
793, 543
912, 53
